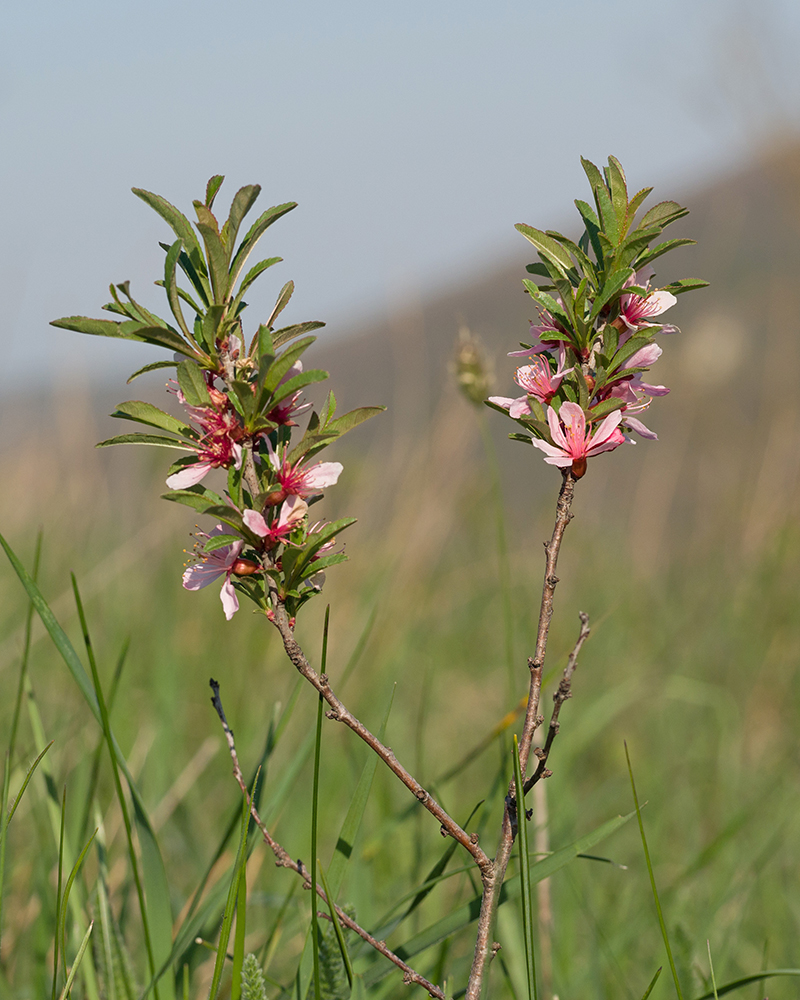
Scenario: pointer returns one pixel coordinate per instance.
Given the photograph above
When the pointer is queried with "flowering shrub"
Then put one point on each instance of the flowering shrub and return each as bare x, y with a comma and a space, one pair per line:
241, 401
598, 315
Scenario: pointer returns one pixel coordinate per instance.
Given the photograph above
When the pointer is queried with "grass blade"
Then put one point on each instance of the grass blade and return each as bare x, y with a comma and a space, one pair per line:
314, 815
653, 982
711, 967
58, 894
238, 939
230, 905
464, 915
525, 876
62, 924
739, 984
5, 816
661, 922
77, 962
348, 967
123, 804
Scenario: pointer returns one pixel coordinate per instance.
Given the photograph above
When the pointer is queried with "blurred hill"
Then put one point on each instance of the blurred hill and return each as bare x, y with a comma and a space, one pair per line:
730, 429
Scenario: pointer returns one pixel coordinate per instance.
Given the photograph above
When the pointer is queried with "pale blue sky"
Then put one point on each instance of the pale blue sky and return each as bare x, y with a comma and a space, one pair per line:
413, 135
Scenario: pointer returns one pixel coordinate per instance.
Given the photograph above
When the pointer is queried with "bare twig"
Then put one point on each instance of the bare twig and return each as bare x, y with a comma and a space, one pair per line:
340, 713
284, 860
563, 692
493, 877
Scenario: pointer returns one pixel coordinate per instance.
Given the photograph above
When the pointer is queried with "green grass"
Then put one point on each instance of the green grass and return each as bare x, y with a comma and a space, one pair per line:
695, 666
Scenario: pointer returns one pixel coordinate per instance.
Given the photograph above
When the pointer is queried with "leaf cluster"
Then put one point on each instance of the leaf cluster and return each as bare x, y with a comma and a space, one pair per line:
585, 286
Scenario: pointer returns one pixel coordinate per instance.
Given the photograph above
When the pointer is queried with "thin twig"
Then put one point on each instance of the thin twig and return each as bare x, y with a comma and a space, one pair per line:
494, 876
340, 713
284, 860
563, 692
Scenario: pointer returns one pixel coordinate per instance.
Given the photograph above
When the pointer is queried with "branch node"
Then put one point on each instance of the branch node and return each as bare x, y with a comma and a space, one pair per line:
474, 838
443, 831
496, 946
547, 773
539, 753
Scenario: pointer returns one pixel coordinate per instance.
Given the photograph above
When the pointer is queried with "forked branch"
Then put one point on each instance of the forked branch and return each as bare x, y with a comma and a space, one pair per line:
284, 860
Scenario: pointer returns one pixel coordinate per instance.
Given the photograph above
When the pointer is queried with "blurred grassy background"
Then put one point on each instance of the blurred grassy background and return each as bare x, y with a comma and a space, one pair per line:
685, 553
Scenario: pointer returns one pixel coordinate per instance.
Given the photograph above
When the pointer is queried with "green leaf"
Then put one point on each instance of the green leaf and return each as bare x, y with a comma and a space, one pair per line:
154, 439
464, 915
158, 335
220, 542
287, 333
603, 408
611, 289
243, 201
662, 214
254, 234
546, 243
170, 264
297, 382
153, 366
216, 253
193, 384
737, 984
178, 223
76, 964
230, 905
526, 883
592, 224
661, 248
619, 190
281, 365
251, 276
95, 327
212, 187
146, 413
685, 285
155, 877
636, 202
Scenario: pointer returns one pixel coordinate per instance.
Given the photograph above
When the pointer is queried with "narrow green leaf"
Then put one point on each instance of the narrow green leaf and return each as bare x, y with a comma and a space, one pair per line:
254, 234
546, 243
525, 875
738, 984
177, 222
286, 333
243, 201
661, 921
76, 964
636, 202
619, 191
136, 438
193, 384
348, 966
685, 285
230, 905
660, 249
610, 290
663, 214
464, 915
153, 366
341, 425
592, 224
654, 980
146, 413
213, 186
170, 265
238, 938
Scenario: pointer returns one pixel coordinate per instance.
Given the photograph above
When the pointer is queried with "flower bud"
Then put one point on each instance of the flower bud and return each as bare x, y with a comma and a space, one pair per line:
245, 567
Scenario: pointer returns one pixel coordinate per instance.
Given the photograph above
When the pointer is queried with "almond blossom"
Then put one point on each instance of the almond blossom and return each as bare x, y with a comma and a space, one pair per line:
294, 480
212, 565
636, 311
573, 445
538, 380
218, 447
292, 512
539, 331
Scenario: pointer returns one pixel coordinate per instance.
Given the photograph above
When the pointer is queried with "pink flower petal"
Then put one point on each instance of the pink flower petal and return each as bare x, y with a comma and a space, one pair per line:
636, 425
189, 476
323, 474
519, 408
644, 357
230, 602
504, 401
256, 523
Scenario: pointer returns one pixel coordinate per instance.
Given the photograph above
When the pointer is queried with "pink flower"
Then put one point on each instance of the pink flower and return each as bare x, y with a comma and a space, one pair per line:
290, 407
218, 445
573, 445
292, 512
212, 565
539, 331
636, 310
538, 380
294, 480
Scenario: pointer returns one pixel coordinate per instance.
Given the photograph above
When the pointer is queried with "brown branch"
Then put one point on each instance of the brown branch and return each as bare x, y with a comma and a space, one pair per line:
340, 713
284, 860
563, 692
493, 877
